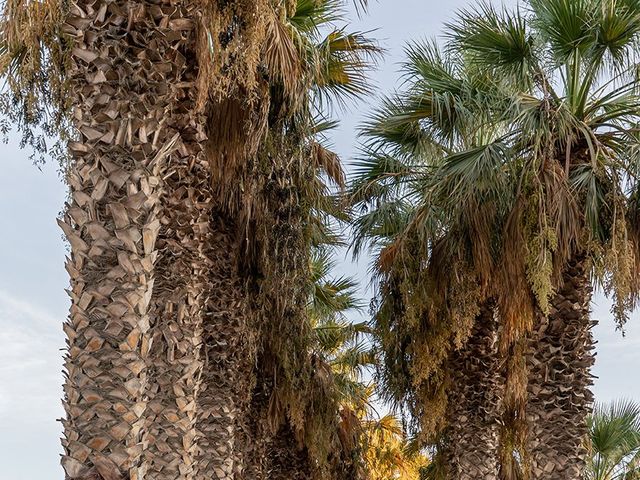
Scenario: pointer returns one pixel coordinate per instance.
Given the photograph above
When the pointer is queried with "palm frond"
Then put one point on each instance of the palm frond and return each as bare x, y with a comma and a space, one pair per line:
496, 40
614, 432
343, 60
566, 25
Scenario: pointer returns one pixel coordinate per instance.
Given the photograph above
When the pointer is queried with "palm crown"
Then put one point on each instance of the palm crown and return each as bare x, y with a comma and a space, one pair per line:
520, 111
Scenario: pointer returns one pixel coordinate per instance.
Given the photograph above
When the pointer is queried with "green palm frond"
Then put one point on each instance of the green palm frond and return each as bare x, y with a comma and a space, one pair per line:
354, 360
508, 148
496, 41
614, 434
565, 25
396, 125
311, 16
473, 173
331, 297
343, 60
377, 227
617, 32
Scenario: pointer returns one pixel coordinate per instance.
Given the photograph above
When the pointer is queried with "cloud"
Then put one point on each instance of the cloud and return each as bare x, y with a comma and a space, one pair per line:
30, 362
30, 389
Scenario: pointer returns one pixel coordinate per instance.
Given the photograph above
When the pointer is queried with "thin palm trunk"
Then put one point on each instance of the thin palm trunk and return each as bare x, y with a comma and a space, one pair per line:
471, 439
559, 398
286, 458
177, 307
229, 362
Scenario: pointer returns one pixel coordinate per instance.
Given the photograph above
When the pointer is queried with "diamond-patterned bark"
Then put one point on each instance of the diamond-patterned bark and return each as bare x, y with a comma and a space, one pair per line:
559, 398
123, 116
474, 404
229, 361
138, 216
182, 268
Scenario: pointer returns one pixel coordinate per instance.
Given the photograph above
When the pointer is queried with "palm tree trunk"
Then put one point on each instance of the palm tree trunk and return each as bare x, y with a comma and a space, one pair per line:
180, 293
229, 351
286, 459
122, 81
559, 398
470, 444
182, 267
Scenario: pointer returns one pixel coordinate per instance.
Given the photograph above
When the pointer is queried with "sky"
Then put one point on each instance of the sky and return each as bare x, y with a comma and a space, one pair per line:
33, 302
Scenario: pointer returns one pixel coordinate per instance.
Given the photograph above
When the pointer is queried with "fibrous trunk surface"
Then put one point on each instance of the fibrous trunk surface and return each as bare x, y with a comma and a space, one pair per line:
471, 438
229, 356
559, 399
160, 357
182, 267
123, 78
139, 214
286, 459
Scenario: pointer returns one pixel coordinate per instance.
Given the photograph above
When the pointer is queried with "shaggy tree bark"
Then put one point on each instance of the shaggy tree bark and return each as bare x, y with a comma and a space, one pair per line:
229, 351
286, 458
126, 79
160, 355
559, 398
168, 34
139, 224
470, 444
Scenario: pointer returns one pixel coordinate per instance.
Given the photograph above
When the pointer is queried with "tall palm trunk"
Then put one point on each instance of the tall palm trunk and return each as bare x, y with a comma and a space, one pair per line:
180, 293
229, 361
286, 459
559, 398
470, 445
182, 266
126, 78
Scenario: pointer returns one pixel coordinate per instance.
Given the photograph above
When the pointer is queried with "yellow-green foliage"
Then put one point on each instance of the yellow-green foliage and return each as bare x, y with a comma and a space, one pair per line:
621, 259
386, 451
427, 310
34, 56
539, 265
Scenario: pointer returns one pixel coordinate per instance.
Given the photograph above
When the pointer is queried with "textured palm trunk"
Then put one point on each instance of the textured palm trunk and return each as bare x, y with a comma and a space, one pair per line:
470, 446
286, 459
126, 81
559, 398
182, 266
229, 362
161, 358
177, 307
280, 455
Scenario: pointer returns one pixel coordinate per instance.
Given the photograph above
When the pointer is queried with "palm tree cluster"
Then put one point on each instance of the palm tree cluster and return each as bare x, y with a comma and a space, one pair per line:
497, 189
197, 184
345, 351
207, 337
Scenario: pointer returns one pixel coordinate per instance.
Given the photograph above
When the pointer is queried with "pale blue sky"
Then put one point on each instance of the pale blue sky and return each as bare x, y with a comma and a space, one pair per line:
33, 303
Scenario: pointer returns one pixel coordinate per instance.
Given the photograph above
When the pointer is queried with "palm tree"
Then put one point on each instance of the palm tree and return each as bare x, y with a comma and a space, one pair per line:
450, 361
614, 434
126, 154
154, 257
289, 408
389, 453
515, 148
126, 71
